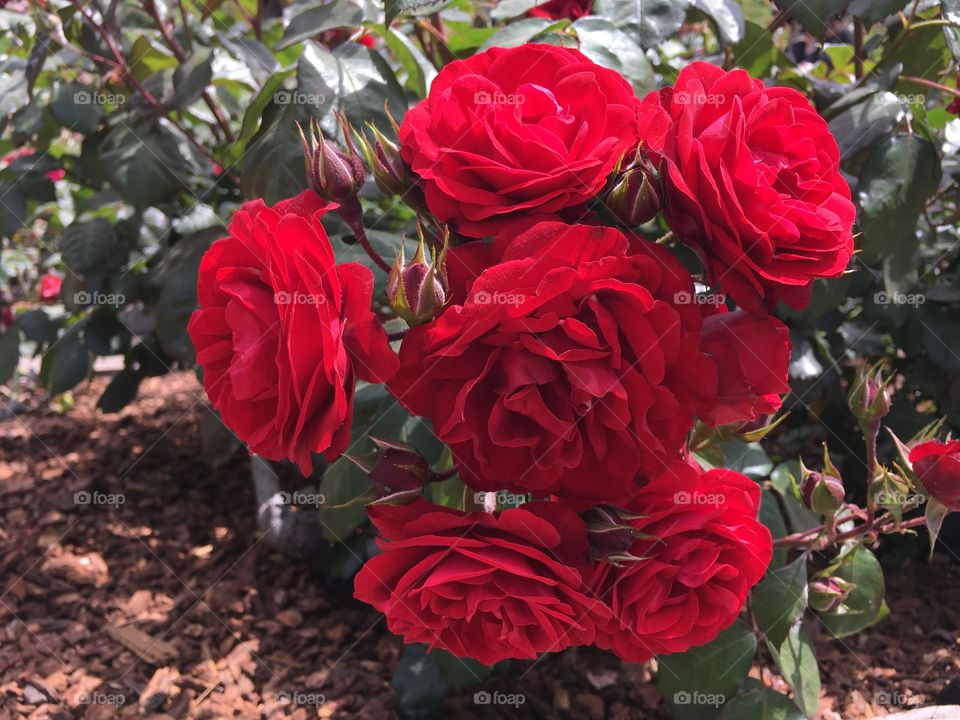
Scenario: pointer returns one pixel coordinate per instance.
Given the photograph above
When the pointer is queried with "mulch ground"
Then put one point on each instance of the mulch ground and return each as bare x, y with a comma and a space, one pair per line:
167, 605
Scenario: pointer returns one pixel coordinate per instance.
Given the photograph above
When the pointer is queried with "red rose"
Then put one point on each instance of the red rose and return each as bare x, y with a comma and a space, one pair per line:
480, 585
937, 464
521, 132
569, 361
753, 183
283, 331
50, 285
559, 9
705, 550
752, 354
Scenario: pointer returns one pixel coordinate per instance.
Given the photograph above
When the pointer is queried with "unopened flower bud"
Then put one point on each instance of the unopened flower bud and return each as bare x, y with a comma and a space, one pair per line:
870, 395
822, 492
390, 172
334, 175
417, 290
637, 193
826, 594
610, 533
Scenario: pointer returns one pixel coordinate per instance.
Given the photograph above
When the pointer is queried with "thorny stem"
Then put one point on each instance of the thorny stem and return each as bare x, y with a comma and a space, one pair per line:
885, 524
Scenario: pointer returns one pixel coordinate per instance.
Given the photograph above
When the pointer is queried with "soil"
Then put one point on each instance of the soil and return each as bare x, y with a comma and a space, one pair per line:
134, 584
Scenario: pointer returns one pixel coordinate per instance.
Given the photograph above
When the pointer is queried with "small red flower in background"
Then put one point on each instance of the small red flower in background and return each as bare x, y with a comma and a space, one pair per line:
705, 550
528, 132
50, 285
559, 9
489, 586
937, 464
6, 318
753, 183
283, 332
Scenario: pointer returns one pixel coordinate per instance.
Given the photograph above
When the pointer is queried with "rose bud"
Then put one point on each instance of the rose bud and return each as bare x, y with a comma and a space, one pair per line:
610, 533
398, 471
637, 194
822, 492
870, 394
417, 290
826, 594
389, 171
334, 175
937, 465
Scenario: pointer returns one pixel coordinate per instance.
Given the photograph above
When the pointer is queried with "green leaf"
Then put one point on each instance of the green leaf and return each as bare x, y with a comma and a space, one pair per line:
695, 683
192, 77
650, 21
120, 392
69, 364
393, 8
780, 599
814, 15
37, 326
254, 112
863, 125
420, 71
517, 33
148, 57
864, 606
895, 183
77, 107
418, 681
508, 9
351, 79
757, 702
147, 162
728, 17
272, 166
313, 18
9, 353
797, 659
13, 85
747, 458
611, 47
89, 246
873, 11
13, 209
757, 53
771, 516
460, 672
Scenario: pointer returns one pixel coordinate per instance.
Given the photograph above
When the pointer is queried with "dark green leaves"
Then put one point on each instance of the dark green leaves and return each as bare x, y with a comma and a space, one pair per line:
895, 183
90, 246
611, 47
697, 682
864, 606
651, 21
780, 599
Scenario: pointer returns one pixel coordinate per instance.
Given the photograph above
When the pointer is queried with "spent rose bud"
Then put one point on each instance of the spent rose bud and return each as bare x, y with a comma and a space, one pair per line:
610, 533
937, 466
826, 594
334, 175
822, 492
637, 193
870, 395
417, 290
398, 471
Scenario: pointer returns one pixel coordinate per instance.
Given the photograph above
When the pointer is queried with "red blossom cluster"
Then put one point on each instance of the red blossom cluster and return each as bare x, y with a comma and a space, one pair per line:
557, 352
